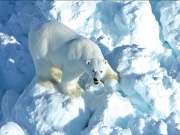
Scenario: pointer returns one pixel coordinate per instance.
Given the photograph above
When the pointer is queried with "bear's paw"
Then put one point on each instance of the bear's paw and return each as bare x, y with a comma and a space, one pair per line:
113, 76
56, 73
74, 92
56, 76
47, 84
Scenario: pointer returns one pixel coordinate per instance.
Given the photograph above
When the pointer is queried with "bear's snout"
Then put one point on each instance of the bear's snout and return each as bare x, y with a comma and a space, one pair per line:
95, 81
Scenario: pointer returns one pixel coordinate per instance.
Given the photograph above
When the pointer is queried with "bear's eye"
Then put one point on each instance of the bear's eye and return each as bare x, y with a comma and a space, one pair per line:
93, 70
100, 71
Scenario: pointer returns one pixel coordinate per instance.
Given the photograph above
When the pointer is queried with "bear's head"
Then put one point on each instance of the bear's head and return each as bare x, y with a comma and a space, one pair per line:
96, 69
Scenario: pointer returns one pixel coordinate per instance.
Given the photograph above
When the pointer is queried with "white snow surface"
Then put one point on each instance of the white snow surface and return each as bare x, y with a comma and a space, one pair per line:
11, 128
140, 40
170, 22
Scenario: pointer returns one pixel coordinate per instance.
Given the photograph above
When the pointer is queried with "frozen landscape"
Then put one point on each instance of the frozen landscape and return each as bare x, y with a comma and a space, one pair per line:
140, 40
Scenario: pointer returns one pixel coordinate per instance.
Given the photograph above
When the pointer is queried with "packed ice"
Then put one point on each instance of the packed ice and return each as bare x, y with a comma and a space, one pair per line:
140, 40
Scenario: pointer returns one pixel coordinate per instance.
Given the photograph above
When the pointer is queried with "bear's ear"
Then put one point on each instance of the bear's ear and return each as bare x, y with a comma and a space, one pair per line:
87, 62
105, 61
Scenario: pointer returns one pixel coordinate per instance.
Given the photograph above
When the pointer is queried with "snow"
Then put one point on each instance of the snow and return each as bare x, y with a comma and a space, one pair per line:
140, 40
169, 20
129, 21
108, 116
12, 128
73, 14
40, 101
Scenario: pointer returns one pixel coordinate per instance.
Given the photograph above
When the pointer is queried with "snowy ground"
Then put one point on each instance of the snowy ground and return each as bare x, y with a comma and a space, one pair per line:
141, 42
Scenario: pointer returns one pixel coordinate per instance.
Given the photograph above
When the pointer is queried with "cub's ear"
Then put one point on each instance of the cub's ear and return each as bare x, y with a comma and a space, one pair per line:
87, 62
105, 61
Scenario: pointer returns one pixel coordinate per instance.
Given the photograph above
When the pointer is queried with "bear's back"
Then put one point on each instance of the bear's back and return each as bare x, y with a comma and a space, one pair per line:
53, 31
49, 36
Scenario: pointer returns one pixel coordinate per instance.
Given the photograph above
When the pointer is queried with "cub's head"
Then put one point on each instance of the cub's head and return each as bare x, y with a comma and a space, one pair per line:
96, 69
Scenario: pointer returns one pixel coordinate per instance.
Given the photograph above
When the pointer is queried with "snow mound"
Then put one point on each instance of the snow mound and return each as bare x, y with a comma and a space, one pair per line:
101, 113
73, 13
16, 64
156, 88
149, 125
129, 21
43, 110
12, 128
111, 112
169, 18
131, 62
146, 84
8, 101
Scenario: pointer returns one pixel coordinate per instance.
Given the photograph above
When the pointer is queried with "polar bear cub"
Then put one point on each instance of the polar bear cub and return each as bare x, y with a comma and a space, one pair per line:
60, 53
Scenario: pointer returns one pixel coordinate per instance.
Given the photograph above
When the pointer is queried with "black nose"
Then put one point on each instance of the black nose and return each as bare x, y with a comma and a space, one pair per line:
95, 79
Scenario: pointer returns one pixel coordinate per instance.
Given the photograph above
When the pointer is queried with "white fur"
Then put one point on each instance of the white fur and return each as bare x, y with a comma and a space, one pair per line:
54, 47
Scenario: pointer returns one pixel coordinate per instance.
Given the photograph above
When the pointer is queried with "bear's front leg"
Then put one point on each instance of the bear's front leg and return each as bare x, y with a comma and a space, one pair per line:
69, 80
110, 74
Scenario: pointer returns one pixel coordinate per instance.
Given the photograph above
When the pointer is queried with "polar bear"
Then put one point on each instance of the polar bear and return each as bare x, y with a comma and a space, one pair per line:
61, 54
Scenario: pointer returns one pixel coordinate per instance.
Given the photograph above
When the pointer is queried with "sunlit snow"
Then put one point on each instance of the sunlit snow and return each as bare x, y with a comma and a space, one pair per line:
140, 40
